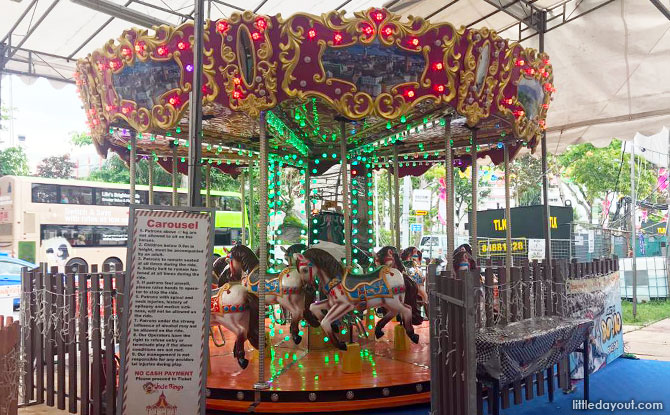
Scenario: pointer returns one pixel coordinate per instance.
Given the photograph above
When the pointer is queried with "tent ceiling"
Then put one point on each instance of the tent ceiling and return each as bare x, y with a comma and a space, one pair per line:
607, 59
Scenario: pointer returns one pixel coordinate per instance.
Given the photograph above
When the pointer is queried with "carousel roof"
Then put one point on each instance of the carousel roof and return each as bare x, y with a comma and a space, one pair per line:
379, 80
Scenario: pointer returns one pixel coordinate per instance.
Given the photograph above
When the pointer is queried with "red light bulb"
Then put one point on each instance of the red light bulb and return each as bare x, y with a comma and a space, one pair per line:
236, 81
162, 50
139, 47
519, 113
438, 66
439, 88
237, 94
183, 45
414, 42
261, 24
409, 93
337, 38
388, 31
311, 33
174, 100
222, 26
126, 51
508, 101
255, 36
378, 16
125, 110
520, 62
368, 30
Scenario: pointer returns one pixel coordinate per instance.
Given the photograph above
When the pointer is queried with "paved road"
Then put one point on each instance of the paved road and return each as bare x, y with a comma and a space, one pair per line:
650, 342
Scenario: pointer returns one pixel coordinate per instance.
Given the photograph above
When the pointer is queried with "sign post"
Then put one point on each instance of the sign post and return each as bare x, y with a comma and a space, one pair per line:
166, 310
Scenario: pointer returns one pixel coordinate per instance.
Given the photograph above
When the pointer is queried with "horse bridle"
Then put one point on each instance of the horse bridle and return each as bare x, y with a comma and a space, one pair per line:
310, 268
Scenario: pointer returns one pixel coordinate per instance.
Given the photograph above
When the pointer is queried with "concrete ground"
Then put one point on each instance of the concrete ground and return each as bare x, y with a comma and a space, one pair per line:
650, 342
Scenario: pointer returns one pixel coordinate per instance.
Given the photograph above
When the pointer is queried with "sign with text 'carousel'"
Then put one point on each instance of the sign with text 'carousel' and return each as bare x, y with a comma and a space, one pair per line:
167, 301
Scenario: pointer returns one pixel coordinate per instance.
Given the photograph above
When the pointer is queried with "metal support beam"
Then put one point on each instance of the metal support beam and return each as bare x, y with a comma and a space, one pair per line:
390, 200
151, 180
508, 216
545, 176
243, 186
262, 384
96, 32
133, 165
633, 226
252, 240
124, 13
475, 180
195, 110
396, 189
12, 50
345, 191
18, 22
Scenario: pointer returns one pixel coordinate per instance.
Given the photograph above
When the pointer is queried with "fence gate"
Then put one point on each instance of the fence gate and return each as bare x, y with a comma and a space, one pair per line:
70, 334
452, 342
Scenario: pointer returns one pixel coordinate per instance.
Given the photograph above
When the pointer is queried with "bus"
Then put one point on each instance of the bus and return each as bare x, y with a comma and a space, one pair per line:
70, 222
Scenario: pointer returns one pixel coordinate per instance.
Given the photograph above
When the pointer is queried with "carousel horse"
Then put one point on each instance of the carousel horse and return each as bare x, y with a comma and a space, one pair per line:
411, 258
220, 271
236, 309
291, 250
388, 256
347, 292
463, 259
290, 290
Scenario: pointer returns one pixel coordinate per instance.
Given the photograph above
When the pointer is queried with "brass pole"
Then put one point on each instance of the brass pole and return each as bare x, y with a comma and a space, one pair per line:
473, 213
133, 165
508, 216
263, 243
243, 185
390, 199
345, 192
175, 198
396, 188
449, 183
308, 204
151, 180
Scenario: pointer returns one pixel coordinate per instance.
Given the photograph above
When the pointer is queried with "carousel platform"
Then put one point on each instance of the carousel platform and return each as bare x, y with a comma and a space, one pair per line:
303, 379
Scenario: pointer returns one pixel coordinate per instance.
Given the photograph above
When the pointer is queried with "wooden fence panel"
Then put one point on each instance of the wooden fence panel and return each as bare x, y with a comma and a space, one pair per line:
28, 310
96, 369
50, 299
84, 385
71, 343
110, 373
38, 333
60, 341
10, 341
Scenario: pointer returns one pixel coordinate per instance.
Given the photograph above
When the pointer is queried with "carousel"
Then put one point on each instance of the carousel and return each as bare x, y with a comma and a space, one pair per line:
317, 94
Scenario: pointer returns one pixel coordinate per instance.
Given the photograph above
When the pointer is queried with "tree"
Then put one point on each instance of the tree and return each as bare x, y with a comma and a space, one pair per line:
115, 170
595, 172
13, 161
56, 167
526, 180
80, 139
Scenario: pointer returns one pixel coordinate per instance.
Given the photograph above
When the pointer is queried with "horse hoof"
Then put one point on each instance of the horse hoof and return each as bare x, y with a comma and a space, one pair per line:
342, 346
297, 338
242, 362
414, 338
311, 319
379, 334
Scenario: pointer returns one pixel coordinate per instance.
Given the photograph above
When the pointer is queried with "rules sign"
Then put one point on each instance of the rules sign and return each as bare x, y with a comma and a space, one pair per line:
167, 301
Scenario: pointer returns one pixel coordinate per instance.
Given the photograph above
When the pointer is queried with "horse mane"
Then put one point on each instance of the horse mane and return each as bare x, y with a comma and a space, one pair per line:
381, 254
245, 255
219, 265
407, 253
324, 261
295, 249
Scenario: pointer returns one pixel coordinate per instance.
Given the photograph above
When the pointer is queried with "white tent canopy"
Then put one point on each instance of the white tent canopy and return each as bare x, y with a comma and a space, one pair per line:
608, 55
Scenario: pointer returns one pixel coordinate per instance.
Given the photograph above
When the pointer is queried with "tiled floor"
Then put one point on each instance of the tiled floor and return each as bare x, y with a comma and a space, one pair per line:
651, 342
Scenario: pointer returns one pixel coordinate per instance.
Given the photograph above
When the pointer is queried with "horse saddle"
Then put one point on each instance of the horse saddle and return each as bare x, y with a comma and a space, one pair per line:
370, 285
271, 281
412, 271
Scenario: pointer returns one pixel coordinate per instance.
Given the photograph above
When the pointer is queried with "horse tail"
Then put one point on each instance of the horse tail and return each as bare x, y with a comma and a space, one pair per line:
412, 299
251, 301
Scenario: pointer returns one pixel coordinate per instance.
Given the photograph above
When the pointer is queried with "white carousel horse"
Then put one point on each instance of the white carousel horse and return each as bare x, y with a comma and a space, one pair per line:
236, 309
346, 292
290, 290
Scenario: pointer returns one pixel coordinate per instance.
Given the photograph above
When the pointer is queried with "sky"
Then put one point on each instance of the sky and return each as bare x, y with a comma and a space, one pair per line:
45, 112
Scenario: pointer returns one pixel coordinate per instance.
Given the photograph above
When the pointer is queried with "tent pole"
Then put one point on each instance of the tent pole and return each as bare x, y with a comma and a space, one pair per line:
195, 110
251, 206
390, 200
633, 233
473, 210
545, 177
262, 384
308, 204
345, 192
175, 199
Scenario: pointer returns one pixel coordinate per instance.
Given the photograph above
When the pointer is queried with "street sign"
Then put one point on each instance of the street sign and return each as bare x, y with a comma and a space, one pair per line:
421, 199
416, 227
421, 212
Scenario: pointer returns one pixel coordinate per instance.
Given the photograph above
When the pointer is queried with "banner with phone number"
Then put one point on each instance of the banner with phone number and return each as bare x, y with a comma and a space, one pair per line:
598, 299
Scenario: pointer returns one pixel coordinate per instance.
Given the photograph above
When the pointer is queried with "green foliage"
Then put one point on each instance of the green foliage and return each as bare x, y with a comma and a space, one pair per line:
526, 180
647, 313
13, 161
292, 221
115, 170
80, 138
56, 167
594, 172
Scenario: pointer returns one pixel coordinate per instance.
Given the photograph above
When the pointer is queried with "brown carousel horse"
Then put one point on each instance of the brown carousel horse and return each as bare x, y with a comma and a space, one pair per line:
290, 290
411, 258
388, 256
463, 259
347, 292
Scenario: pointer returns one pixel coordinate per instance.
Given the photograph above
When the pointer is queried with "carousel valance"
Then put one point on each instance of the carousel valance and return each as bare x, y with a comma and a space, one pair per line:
392, 80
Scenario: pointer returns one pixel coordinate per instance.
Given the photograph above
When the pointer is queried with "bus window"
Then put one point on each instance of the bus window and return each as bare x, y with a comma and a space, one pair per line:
111, 235
162, 198
226, 236
183, 199
232, 203
118, 197
76, 195
45, 193
86, 235
216, 202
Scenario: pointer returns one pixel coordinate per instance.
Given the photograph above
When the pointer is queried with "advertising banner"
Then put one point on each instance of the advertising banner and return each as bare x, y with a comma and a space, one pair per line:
597, 299
167, 299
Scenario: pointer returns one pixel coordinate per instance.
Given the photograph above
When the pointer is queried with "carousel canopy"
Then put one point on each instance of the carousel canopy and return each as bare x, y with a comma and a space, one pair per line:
376, 79
605, 52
